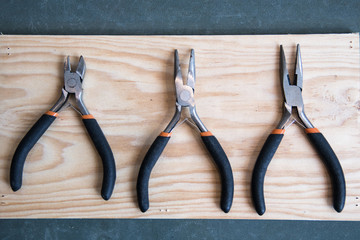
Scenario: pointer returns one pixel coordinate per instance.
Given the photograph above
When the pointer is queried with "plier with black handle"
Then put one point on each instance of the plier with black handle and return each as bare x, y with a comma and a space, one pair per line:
72, 87
185, 99
293, 104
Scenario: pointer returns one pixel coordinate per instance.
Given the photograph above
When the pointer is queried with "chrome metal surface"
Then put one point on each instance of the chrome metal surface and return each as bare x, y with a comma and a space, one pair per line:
80, 103
81, 68
293, 100
303, 117
174, 120
288, 118
185, 94
72, 87
191, 77
285, 117
61, 102
298, 68
195, 117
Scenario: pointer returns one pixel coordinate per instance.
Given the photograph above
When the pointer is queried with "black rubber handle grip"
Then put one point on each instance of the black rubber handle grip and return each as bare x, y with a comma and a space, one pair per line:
107, 157
224, 167
147, 165
333, 167
257, 182
24, 147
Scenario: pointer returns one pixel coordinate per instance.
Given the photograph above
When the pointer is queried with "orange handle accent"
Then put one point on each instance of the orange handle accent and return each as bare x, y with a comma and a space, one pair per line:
165, 134
311, 130
51, 113
206, 134
278, 131
89, 116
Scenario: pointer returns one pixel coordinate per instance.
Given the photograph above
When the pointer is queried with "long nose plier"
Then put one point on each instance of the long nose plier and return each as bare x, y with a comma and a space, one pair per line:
185, 99
72, 87
293, 102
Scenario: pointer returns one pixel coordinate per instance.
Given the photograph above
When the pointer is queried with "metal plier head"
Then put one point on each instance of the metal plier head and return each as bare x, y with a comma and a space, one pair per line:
292, 92
72, 86
185, 92
73, 80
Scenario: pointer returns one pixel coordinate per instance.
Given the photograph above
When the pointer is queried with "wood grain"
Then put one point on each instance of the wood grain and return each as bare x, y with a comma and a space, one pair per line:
129, 88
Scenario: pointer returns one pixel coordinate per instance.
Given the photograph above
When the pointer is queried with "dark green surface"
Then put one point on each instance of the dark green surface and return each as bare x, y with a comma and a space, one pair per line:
177, 229
178, 17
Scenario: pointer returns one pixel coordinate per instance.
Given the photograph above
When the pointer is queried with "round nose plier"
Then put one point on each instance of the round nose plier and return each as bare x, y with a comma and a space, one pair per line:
72, 87
293, 102
185, 99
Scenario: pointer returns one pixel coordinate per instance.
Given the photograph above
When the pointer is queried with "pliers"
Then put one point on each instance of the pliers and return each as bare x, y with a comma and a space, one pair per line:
293, 102
185, 99
72, 87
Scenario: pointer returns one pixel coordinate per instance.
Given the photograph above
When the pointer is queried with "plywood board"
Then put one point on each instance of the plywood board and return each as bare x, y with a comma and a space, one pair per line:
129, 88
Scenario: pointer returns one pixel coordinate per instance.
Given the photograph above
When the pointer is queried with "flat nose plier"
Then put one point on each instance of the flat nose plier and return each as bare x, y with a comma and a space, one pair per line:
293, 102
72, 87
185, 99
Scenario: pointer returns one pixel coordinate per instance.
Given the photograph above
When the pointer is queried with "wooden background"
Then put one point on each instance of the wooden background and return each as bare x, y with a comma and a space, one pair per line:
129, 88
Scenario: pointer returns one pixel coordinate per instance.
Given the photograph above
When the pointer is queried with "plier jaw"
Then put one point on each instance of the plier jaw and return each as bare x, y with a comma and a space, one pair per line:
292, 92
72, 86
73, 80
185, 93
